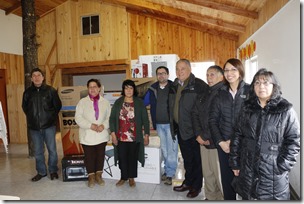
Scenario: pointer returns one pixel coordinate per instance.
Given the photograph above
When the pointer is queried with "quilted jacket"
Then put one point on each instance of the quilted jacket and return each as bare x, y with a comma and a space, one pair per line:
264, 148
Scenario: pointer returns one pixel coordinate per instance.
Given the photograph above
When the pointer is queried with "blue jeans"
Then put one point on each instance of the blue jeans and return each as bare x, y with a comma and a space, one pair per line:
47, 136
169, 148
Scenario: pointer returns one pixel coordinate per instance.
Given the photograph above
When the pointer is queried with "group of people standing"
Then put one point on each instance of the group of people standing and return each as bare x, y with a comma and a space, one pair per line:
224, 130
126, 121
238, 138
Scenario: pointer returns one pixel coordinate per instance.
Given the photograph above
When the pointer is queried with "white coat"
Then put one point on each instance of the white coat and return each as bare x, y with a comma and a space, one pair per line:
85, 116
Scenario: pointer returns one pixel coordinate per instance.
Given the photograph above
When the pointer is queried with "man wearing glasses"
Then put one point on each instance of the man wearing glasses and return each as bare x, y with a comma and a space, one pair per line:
157, 98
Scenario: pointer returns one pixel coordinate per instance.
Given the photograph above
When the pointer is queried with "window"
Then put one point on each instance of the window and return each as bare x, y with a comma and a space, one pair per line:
251, 67
90, 25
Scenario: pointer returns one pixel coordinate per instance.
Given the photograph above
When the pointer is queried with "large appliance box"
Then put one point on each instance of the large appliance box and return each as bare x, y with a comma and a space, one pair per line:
69, 133
70, 96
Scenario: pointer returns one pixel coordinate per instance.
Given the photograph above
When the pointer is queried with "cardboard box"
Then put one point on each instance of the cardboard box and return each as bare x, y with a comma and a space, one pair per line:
70, 96
69, 133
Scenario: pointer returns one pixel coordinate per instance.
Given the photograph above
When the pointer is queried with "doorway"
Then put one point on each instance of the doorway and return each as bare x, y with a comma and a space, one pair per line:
3, 100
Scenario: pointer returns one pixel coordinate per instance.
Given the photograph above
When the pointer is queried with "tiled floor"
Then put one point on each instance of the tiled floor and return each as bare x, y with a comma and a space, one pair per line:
16, 171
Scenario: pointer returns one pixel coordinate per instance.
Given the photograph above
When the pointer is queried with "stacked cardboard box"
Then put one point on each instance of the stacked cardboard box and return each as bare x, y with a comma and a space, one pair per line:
70, 97
73, 167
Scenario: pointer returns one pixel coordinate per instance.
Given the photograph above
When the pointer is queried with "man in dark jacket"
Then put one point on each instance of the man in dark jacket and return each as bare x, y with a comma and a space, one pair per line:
41, 105
209, 155
157, 98
182, 97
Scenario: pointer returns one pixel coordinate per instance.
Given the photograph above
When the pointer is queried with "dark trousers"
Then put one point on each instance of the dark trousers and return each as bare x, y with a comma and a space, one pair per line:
128, 157
227, 175
190, 150
94, 156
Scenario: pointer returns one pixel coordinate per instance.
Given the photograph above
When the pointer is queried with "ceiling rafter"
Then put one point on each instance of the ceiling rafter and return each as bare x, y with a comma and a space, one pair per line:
186, 23
13, 8
153, 8
224, 7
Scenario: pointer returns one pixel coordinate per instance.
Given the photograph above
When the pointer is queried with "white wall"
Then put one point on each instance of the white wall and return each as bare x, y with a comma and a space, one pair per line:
11, 34
278, 50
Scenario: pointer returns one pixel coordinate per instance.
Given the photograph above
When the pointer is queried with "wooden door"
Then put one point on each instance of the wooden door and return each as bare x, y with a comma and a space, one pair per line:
3, 99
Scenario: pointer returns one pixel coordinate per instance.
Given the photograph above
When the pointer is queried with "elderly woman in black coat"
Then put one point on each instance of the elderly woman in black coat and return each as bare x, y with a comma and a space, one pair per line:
266, 142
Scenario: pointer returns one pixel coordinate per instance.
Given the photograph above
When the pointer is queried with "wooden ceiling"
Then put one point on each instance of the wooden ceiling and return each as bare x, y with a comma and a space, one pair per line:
227, 18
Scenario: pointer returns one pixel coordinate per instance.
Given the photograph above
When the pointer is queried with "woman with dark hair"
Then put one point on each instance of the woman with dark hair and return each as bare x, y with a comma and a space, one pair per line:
128, 122
266, 142
92, 116
224, 111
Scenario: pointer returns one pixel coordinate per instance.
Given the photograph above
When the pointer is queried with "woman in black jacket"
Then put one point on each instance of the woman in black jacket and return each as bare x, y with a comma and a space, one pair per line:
266, 142
224, 111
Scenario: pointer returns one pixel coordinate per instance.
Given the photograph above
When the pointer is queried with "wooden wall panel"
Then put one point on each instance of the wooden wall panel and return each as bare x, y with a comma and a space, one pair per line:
17, 119
64, 33
13, 64
46, 38
47, 49
111, 44
14, 68
150, 36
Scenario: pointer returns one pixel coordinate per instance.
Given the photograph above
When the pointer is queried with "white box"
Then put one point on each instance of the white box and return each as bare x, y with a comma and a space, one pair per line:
154, 61
150, 173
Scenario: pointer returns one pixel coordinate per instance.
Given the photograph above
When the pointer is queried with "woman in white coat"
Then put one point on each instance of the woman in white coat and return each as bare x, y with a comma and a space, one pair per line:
92, 116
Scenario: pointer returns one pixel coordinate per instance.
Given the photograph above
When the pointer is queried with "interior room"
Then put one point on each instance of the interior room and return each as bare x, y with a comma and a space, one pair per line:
113, 40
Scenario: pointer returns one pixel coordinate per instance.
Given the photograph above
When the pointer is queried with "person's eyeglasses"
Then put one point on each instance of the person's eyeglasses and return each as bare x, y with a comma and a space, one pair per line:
161, 73
233, 70
259, 83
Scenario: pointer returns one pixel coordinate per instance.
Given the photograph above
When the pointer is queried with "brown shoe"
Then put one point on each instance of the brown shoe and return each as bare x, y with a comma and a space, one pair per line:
91, 180
98, 178
120, 183
182, 188
193, 193
132, 182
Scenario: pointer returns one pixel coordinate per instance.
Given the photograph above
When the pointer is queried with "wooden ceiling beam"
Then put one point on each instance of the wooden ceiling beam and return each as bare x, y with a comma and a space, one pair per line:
153, 8
13, 8
187, 23
224, 7
93, 64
